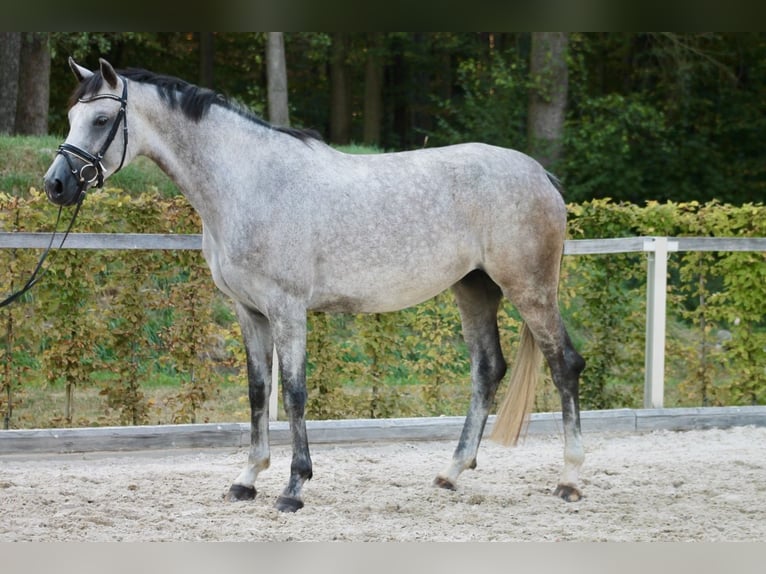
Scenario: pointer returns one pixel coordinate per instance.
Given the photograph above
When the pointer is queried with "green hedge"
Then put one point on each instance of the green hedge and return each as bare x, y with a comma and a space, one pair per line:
121, 321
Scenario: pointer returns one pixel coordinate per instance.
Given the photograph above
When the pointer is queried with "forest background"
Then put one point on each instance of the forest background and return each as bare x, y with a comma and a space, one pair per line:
631, 116
651, 133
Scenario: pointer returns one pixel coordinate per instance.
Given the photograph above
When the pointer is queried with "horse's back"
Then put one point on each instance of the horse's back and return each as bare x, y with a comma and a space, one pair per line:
472, 192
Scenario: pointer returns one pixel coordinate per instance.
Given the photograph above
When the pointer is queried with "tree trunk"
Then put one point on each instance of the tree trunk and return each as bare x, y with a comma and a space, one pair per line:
34, 85
10, 52
373, 92
548, 95
276, 74
340, 111
206, 59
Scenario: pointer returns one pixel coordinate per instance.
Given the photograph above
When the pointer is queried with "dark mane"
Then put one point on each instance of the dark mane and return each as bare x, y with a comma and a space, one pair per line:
192, 100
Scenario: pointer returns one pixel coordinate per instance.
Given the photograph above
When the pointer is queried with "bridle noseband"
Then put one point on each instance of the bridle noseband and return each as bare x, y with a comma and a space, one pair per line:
93, 169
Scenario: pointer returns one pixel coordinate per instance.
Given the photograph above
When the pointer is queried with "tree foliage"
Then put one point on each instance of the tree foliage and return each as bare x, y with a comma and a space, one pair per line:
649, 116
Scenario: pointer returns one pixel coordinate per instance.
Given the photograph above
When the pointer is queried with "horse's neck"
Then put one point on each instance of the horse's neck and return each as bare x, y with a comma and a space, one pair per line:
208, 160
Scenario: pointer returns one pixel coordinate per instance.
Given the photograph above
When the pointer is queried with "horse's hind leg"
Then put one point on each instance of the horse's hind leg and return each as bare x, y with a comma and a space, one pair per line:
478, 298
256, 332
566, 365
540, 311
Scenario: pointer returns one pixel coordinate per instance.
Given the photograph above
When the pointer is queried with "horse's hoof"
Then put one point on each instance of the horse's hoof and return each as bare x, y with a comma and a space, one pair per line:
288, 504
442, 482
568, 492
240, 492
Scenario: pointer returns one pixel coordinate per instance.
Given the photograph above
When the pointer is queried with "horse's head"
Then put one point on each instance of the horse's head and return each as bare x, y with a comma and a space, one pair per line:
97, 142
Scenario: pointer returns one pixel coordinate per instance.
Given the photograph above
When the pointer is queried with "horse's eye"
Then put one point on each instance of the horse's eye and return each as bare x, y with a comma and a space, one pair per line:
101, 121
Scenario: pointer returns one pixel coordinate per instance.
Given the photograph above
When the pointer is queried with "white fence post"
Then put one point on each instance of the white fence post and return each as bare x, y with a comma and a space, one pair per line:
273, 397
656, 299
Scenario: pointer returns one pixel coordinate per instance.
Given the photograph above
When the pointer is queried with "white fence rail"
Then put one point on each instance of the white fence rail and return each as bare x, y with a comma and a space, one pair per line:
656, 248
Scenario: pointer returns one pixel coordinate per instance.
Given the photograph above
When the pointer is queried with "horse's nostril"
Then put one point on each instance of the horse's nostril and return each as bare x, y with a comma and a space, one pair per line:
54, 187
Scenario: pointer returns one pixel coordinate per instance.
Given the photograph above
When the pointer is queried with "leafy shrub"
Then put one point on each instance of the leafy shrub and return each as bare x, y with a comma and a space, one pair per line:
121, 320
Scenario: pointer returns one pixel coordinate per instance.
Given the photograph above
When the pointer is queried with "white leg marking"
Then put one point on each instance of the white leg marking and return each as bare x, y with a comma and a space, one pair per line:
574, 455
258, 460
452, 472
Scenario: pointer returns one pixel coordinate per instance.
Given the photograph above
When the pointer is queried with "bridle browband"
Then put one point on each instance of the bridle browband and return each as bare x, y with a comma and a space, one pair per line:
91, 161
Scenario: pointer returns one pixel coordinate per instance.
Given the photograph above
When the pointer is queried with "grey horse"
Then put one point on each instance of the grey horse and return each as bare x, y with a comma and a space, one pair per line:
292, 225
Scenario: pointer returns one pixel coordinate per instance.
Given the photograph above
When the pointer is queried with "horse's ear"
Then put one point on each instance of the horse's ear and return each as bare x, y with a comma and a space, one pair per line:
79, 72
108, 72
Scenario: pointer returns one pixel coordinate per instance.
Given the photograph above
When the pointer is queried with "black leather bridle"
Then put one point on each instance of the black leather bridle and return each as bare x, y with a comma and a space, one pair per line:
93, 169
92, 162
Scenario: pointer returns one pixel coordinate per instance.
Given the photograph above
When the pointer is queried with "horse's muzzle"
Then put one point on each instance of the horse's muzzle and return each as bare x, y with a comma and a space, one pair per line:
61, 185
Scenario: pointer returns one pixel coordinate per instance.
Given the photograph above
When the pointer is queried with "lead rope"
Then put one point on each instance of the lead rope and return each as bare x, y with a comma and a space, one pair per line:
39, 272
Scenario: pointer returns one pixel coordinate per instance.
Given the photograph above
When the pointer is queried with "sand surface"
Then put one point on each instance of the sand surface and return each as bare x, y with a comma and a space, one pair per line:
707, 485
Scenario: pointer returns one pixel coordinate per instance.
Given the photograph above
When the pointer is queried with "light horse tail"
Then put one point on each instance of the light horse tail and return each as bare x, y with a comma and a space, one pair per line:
513, 413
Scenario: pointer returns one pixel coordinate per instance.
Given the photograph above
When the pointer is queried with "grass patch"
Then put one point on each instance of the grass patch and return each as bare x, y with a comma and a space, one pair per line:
27, 158
25, 161
359, 149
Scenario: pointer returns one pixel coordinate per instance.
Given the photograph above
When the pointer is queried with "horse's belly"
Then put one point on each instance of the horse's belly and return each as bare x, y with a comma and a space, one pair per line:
372, 302
381, 276
379, 290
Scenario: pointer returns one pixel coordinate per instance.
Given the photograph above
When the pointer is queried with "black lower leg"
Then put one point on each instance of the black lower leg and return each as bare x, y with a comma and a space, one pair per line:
478, 298
301, 468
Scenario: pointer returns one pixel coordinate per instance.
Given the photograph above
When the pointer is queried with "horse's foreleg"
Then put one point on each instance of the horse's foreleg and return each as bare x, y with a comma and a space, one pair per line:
290, 339
256, 333
477, 297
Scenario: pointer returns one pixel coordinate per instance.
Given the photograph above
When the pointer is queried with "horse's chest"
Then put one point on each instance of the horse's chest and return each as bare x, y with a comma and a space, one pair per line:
250, 276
